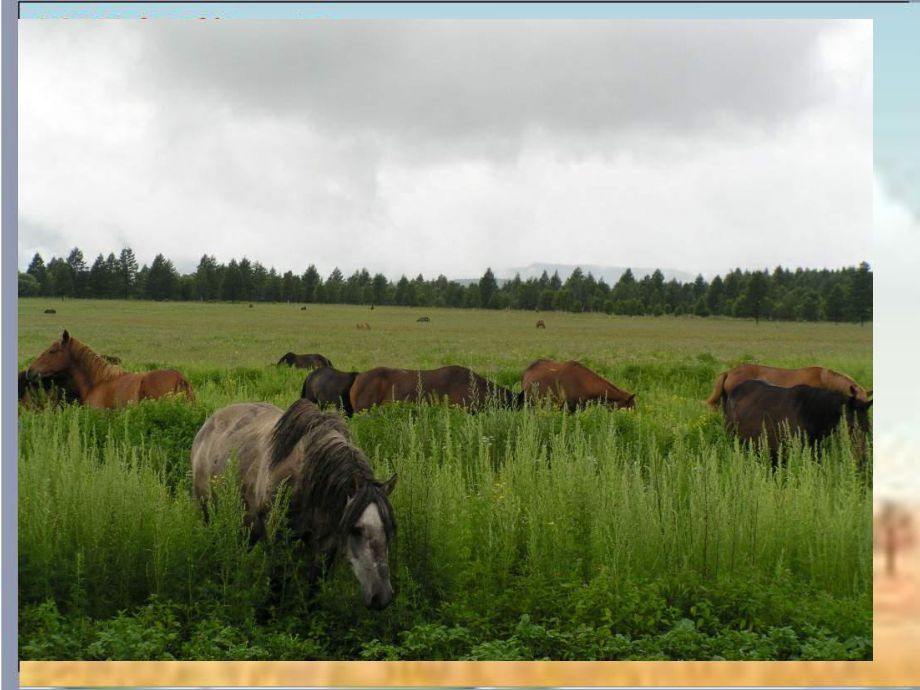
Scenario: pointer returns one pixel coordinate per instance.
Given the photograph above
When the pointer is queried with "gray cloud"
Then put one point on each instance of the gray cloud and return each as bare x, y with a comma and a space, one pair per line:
444, 146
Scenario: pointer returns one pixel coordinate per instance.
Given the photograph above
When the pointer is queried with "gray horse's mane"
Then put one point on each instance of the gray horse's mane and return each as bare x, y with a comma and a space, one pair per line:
335, 477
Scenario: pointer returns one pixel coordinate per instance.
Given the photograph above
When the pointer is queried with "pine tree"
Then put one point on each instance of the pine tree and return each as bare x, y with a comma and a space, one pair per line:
80, 272
162, 280
861, 294
487, 287
835, 305
127, 272
37, 270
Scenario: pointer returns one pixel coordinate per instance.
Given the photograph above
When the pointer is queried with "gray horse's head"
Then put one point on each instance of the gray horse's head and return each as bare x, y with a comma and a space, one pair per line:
367, 548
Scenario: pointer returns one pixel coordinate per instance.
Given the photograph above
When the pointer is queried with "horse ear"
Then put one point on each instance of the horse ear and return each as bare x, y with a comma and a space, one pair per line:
388, 485
65, 337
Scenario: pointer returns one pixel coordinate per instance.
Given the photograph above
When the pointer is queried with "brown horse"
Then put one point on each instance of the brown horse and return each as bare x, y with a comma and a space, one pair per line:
363, 327
304, 361
817, 377
571, 384
540, 324
754, 408
458, 384
101, 384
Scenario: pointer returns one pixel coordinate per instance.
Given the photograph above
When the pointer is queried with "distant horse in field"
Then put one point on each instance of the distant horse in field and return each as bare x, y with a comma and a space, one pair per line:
53, 390
363, 327
540, 324
458, 384
51, 311
336, 504
101, 384
816, 377
303, 309
423, 319
571, 384
328, 386
304, 361
755, 407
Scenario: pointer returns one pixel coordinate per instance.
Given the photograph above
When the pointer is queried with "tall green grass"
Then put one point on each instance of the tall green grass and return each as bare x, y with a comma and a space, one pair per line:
107, 518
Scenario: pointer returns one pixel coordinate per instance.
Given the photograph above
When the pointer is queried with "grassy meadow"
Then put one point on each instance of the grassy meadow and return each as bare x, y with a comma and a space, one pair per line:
643, 534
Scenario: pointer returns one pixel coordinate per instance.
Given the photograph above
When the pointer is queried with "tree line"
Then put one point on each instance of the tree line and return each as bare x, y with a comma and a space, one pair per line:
783, 294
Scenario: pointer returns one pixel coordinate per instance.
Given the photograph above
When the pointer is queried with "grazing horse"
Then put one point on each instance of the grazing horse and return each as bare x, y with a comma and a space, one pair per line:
55, 390
101, 384
571, 384
754, 407
303, 309
50, 311
458, 384
304, 361
816, 377
423, 319
336, 504
540, 324
328, 386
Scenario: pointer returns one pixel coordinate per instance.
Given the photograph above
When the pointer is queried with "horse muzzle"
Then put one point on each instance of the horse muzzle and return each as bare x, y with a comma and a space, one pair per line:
380, 599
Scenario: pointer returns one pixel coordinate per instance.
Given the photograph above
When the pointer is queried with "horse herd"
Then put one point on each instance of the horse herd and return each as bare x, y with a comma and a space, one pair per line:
336, 504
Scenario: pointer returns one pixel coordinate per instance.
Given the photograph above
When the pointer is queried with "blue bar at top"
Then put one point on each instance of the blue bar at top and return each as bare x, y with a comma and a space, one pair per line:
289, 10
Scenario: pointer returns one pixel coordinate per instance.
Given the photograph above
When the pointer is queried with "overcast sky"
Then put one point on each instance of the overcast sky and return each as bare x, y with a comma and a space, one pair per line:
446, 146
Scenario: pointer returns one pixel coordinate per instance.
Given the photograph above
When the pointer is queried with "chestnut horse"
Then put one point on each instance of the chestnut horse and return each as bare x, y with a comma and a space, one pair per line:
816, 377
458, 384
571, 384
101, 384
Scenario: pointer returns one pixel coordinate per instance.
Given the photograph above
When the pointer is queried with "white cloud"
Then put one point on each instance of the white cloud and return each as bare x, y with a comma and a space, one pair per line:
443, 147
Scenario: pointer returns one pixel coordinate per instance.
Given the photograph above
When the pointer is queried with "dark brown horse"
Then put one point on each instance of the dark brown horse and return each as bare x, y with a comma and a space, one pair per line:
51, 390
304, 361
754, 408
816, 377
336, 504
571, 384
328, 386
101, 384
458, 384
540, 324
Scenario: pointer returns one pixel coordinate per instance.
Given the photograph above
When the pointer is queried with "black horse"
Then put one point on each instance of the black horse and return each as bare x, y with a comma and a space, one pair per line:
328, 386
754, 407
56, 390
304, 361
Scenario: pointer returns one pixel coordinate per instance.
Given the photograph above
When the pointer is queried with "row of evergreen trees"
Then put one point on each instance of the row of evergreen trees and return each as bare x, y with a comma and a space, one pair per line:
803, 294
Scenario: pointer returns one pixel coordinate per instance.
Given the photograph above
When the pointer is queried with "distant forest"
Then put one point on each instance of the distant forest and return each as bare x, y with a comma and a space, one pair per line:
801, 294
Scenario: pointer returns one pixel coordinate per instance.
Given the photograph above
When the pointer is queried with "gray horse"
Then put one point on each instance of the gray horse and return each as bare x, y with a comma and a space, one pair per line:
335, 501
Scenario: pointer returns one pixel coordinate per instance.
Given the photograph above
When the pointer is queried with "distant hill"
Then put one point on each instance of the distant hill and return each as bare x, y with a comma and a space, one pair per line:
611, 274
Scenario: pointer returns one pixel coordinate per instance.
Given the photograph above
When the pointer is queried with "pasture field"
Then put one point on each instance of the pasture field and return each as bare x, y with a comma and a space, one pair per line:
642, 534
